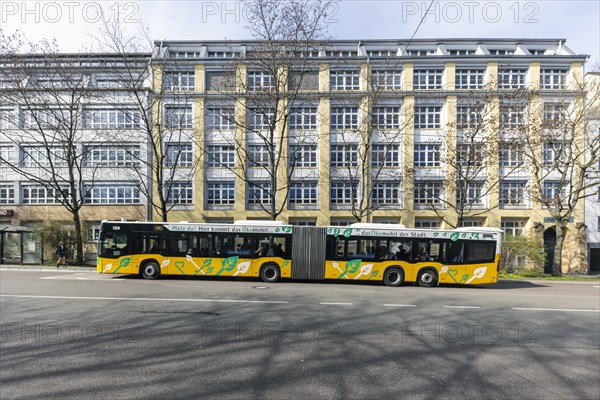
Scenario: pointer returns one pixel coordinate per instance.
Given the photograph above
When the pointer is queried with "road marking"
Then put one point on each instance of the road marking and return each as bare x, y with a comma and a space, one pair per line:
65, 278
597, 286
144, 299
553, 309
399, 305
462, 307
335, 304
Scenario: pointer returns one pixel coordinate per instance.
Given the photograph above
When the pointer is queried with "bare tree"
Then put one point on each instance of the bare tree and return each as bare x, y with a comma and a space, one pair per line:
270, 116
563, 151
164, 98
42, 128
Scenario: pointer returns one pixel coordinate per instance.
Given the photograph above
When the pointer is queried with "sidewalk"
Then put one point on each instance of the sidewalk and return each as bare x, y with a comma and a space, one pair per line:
39, 267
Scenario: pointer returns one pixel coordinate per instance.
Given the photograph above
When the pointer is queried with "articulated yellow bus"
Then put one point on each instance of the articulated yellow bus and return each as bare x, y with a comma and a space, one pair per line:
270, 250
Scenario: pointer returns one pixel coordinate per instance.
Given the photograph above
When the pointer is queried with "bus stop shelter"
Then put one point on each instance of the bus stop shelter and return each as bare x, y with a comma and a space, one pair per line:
19, 245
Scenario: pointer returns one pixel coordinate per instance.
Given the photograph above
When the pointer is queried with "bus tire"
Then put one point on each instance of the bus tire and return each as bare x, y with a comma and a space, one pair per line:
270, 273
150, 270
427, 277
393, 276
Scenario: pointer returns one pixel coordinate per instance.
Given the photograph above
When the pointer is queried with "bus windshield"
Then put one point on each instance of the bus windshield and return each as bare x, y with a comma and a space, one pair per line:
113, 244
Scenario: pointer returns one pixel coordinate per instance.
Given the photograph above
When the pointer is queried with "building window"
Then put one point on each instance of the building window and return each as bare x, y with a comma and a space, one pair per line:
341, 221
428, 192
261, 119
427, 223
343, 193
344, 80
7, 118
93, 234
218, 81
7, 154
38, 194
303, 193
427, 155
7, 193
428, 117
178, 116
386, 118
553, 192
344, 118
220, 156
110, 118
258, 155
387, 193
302, 222
179, 155
512, 117
470, 155
260, 81
554, 114
259, 193
513, 227
111, 155
385, 155
553, 78
304, 156
38, 156
220, 118
42, 119
386, 80
469, 78
112, 194
513, 192
179, 193
222, 193
511, 78
427, 79
469, 193
344, 155
303, 118
179, 80
469, 117
471, 222
554, 153
511, 155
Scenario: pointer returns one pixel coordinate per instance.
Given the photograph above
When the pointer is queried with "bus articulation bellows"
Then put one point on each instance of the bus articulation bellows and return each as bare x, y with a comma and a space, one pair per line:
270, 250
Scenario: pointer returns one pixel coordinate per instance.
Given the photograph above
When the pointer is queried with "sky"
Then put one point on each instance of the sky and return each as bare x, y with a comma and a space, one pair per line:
73, 23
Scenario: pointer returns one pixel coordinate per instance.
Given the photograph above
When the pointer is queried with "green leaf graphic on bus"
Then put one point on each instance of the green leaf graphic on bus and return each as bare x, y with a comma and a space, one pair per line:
347, 232
228, 264
475, 235
454, 236
373, 274
287, 229
435, 234
123, 263
179, 265
350, 268
209, 270
285, 263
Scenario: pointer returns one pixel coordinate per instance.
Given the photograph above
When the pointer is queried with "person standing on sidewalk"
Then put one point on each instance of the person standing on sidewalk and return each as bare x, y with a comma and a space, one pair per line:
61, 254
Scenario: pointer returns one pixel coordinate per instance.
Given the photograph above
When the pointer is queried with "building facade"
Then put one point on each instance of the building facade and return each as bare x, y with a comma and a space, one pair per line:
418, 133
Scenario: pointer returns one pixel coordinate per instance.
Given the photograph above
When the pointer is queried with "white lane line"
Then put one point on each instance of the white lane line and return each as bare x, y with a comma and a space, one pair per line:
597, 286
462, 307
65, 278
553, 309
399, 305
143, 299
335, 304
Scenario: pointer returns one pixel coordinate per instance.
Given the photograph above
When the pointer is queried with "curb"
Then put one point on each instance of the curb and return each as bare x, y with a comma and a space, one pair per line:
588, 281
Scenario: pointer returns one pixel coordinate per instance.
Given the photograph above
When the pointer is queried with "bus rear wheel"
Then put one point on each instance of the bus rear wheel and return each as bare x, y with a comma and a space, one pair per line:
393, 277
427, 278
270, 273
150, 270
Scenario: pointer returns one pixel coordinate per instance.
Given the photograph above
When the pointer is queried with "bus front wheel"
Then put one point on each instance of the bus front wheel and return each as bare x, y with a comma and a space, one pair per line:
151, 270
393, 277
427, 277
270, 273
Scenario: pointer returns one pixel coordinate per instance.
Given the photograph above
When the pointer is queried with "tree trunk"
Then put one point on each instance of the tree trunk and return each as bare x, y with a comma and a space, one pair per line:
78, 238
558, 247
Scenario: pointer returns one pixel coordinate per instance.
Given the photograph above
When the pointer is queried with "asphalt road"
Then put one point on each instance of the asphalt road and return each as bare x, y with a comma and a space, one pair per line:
80, 335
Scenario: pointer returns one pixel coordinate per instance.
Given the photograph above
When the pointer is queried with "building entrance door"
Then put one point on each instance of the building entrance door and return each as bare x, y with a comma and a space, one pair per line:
549, 243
